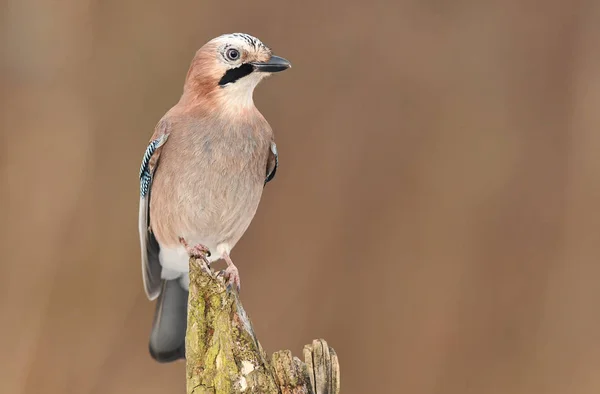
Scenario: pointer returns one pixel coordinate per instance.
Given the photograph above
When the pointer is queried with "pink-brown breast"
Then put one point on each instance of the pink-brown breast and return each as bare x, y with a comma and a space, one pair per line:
210, 179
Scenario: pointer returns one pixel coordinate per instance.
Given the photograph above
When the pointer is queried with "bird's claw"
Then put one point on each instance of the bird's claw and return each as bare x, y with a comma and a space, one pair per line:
231, 276
198, 252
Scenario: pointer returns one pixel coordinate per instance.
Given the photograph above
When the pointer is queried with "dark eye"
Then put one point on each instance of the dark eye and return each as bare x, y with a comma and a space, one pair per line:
233, 54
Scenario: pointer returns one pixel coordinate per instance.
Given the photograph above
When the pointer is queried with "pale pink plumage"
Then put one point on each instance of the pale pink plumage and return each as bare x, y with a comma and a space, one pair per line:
207, 176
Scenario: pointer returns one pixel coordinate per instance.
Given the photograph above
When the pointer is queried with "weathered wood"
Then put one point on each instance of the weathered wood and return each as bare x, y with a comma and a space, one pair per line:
323, 367
223, 354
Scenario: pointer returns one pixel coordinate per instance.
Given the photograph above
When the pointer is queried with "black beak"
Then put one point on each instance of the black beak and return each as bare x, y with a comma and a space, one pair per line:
275, 64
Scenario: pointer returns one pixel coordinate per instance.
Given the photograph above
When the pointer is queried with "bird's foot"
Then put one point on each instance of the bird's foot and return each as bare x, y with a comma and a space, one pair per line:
197, 251
232, 276
231, 273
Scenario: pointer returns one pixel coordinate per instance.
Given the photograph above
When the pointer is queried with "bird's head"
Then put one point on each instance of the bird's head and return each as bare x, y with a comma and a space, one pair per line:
229, 67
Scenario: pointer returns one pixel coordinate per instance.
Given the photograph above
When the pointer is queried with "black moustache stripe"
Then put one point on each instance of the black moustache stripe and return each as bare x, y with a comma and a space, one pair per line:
236, 73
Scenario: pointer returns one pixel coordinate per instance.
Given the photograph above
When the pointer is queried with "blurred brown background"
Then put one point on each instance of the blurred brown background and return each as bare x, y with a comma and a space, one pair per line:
434, 216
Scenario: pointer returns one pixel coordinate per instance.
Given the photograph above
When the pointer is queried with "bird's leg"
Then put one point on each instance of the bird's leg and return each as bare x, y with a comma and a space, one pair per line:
231, 273
197, 251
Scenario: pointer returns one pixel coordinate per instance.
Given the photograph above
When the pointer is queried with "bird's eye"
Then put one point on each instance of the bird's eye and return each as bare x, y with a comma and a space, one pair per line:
233, 54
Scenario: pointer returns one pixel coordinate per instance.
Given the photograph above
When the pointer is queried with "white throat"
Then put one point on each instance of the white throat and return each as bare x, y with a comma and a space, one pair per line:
239, 95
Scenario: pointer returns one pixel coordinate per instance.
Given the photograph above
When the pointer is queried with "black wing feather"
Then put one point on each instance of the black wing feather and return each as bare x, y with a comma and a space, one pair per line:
151, 268
272, 163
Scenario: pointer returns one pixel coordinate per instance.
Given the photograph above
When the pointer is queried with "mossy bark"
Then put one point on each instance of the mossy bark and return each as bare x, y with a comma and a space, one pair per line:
224, 356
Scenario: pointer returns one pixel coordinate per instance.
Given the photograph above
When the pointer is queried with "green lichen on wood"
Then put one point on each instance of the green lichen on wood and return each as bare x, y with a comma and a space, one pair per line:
222, 352
209, 347
292, 374
223, 355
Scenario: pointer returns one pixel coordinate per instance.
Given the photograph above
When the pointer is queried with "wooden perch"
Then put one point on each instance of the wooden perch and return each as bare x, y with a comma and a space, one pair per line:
223, 355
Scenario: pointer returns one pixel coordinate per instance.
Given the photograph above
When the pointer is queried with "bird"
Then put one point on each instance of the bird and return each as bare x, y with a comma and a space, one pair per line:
202, 177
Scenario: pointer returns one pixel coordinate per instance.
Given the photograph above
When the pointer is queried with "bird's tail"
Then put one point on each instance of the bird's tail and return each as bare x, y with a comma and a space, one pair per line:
167, 339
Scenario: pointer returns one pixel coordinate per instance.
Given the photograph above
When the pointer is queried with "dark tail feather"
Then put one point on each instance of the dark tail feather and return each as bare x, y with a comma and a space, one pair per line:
167, 340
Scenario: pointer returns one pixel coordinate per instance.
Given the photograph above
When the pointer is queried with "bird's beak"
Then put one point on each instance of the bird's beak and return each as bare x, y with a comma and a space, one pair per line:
275, 64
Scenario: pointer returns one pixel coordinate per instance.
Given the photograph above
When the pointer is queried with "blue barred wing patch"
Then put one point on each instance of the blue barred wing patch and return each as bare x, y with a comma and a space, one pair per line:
145, 173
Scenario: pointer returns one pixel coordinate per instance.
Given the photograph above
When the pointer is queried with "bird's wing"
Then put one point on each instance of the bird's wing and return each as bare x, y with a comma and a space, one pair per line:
151, 268
272, 162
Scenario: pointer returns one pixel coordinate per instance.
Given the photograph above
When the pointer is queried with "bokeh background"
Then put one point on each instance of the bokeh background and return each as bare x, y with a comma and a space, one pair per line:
434, 217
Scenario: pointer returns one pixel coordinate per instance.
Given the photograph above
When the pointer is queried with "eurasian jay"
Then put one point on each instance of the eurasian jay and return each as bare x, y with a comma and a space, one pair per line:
202, 177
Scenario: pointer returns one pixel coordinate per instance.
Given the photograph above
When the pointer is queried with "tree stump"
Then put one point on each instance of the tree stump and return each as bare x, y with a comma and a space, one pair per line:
224, 356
